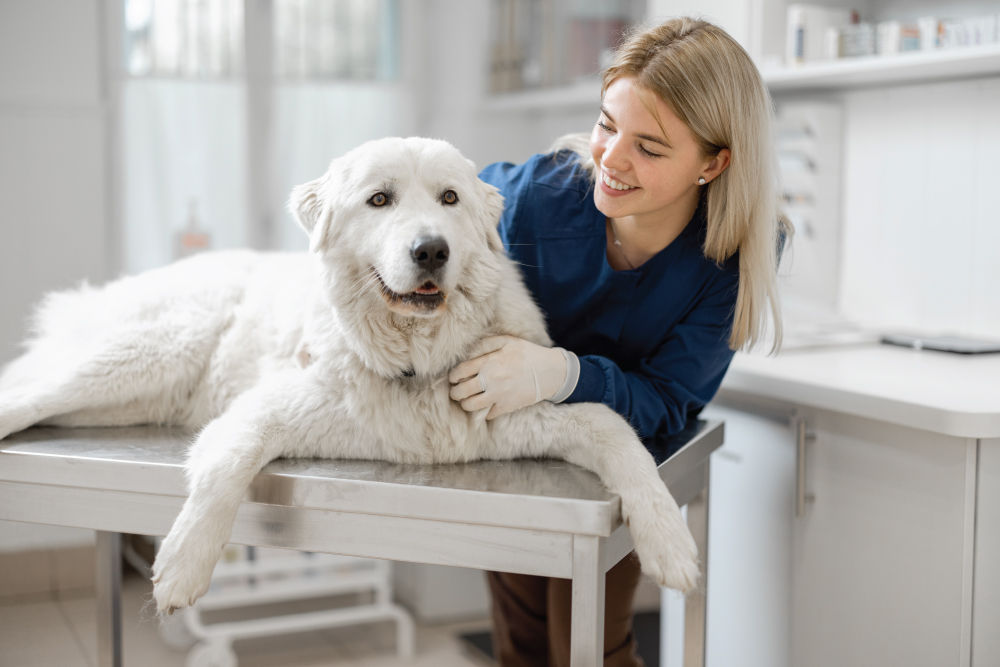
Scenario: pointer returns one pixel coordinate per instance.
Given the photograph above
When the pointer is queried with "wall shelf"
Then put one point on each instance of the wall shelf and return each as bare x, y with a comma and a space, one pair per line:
580, 95
916, 67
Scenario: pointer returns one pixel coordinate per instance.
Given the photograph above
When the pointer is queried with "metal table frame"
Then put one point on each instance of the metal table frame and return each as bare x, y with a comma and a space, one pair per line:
534, 517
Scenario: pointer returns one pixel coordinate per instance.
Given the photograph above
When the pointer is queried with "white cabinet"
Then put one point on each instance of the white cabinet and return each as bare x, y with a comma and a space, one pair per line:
882, 556
893, 560
895, 555
750, 533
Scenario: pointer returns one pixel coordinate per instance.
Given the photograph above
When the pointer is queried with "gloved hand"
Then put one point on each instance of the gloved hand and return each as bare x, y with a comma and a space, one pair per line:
512, 373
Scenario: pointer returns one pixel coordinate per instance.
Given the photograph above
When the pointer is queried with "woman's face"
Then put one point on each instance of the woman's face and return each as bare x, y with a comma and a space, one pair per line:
646, 169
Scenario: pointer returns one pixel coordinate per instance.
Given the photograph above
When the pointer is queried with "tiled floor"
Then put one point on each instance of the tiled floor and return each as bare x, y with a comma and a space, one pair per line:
62, 633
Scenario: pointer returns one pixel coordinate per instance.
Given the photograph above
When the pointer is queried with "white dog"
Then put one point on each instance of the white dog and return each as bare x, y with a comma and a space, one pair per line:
342, 352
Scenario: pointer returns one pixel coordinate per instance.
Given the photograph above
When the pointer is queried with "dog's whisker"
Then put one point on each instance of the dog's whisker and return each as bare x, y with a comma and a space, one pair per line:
364, 284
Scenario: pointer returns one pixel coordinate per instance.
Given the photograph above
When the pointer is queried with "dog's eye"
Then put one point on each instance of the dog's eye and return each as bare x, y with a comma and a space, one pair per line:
379, 199
449, 197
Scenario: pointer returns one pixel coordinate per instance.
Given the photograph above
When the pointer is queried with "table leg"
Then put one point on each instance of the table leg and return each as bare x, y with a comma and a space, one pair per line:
587, 615
695, 620
109, 613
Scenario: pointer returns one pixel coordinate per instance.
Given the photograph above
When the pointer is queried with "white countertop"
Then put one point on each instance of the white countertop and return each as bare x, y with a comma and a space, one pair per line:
954, 394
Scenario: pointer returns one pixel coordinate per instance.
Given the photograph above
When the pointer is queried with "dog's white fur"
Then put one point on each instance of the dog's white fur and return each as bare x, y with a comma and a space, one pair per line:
311, 354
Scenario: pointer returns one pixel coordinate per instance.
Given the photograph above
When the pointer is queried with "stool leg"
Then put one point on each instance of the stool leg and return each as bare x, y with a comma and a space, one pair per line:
695, 604
109, 612
587, 611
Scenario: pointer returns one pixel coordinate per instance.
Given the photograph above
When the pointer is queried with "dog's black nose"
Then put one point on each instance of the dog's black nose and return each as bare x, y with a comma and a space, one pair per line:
429, 252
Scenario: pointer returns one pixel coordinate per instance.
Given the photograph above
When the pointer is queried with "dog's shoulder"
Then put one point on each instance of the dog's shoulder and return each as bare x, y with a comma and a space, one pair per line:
515, 310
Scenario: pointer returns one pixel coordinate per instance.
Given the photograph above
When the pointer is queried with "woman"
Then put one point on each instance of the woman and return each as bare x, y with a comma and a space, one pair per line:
653, 255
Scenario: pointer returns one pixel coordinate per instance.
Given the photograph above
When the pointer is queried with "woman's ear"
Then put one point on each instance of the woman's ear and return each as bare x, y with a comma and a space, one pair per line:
717, 165
310, 204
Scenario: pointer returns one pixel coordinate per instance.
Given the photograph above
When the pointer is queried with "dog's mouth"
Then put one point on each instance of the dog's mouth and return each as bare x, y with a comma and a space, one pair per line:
426, 298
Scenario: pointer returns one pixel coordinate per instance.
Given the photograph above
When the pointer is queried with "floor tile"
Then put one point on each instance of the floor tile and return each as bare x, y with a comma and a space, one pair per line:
63, 633
38, 635
141, 641
437, 646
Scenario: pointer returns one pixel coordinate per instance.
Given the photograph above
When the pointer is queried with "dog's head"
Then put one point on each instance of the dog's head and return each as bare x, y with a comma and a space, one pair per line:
405, 222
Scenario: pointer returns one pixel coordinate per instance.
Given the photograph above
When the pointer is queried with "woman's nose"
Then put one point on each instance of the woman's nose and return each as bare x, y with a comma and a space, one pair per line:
614, 158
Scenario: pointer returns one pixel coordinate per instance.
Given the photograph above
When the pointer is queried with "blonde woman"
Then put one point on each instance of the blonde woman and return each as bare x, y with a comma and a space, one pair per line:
652, 252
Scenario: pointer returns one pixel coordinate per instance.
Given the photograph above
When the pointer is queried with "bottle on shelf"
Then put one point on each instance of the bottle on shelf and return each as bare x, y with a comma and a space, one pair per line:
193, 237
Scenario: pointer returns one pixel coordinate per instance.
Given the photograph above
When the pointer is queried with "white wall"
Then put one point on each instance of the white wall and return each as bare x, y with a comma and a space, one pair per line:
921, 245
53, 199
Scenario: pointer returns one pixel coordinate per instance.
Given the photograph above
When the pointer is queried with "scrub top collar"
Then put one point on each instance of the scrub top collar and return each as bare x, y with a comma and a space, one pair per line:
693, 233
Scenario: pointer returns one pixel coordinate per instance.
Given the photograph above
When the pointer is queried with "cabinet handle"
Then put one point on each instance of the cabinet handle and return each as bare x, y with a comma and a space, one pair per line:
802, 436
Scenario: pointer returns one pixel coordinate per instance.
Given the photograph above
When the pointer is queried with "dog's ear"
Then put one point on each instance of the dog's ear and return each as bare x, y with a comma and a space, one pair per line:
308, 203
492, 209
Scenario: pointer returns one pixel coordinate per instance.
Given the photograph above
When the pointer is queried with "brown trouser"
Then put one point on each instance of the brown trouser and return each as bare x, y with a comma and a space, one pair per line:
531, 618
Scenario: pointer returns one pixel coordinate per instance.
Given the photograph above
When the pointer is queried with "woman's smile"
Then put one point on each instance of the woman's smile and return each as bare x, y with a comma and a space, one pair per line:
614, 187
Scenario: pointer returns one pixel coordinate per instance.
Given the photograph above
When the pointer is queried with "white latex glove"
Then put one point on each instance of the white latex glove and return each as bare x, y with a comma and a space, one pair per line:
511, 374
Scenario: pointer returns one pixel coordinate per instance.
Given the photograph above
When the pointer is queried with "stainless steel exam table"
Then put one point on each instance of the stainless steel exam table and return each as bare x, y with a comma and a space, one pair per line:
542, 517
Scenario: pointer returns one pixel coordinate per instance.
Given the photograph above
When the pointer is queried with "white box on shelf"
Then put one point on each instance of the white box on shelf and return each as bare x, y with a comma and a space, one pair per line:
807, 28
888, 35
930, 32
857, 40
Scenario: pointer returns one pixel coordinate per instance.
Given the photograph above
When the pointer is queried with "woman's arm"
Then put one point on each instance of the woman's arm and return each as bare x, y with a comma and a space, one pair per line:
677, 380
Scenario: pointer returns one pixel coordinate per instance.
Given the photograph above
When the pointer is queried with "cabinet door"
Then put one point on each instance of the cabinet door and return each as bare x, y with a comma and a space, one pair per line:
750, 533
986, 639
882, 555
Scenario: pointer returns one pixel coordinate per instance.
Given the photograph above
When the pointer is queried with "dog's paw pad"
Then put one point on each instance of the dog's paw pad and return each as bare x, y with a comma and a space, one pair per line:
178, 582
666, 549
671, 570
172, 594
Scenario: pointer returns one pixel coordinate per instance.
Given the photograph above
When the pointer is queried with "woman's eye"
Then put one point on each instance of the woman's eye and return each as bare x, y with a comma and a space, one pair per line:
648, 152
379, 199
449, 197
604, 126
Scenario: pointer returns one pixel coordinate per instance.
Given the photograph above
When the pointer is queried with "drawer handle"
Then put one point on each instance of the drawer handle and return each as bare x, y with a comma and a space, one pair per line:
802, 436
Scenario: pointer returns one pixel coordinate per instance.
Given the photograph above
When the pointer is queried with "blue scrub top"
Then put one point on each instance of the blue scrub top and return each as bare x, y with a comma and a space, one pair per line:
652, 341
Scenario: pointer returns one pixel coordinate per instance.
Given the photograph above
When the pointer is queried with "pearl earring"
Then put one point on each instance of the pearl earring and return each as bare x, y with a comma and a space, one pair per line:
701, 181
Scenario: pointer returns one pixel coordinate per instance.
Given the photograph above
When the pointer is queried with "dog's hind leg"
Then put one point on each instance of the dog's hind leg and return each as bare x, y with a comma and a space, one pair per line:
283, 415
40, 384
127, 376
596, 438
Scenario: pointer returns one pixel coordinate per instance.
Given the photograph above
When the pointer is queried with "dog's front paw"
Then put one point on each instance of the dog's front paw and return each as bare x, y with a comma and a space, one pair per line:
666, 549
180, 576
671, 563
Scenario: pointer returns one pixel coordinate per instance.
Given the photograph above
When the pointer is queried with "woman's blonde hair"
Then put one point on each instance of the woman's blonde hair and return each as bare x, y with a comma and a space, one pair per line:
712, 85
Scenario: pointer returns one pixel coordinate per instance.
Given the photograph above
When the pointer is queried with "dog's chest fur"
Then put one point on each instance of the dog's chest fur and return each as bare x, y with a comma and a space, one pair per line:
406, 418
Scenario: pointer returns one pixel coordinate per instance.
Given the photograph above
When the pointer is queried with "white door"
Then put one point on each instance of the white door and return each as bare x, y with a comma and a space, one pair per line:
882, 555
986, 621
750, 533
